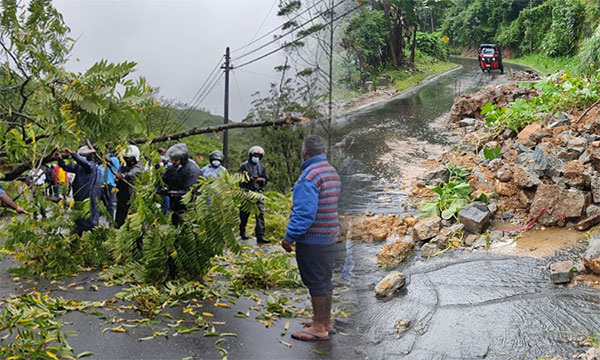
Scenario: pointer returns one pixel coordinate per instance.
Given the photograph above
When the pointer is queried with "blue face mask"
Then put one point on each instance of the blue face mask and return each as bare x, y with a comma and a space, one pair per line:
216, 163
178, 167
255, 159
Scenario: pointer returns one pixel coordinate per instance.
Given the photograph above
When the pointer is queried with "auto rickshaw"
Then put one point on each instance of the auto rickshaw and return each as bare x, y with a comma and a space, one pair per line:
490, 58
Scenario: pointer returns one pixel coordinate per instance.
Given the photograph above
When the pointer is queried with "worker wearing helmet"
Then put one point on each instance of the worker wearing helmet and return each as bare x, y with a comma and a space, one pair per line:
86, 185
256, 181
125, 179
215, 167
179, 178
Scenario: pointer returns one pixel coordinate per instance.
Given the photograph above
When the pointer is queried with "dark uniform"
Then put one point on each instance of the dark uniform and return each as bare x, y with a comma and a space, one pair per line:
126, 192
254, 170
179, 180
87, 185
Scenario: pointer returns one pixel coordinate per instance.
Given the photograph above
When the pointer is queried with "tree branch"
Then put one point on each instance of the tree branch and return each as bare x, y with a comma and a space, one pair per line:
218, 128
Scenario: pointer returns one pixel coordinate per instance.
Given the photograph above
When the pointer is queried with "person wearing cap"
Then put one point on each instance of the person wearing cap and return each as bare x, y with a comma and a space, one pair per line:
86, 185
215, 167
7, 201
125, 180
179, 178
256, 181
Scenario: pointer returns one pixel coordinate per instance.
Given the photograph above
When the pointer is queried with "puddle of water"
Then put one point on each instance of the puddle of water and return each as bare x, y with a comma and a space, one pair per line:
539, 243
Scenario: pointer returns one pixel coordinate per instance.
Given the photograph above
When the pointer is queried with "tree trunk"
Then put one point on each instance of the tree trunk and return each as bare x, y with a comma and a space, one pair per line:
391, 30
413, 47
431, 18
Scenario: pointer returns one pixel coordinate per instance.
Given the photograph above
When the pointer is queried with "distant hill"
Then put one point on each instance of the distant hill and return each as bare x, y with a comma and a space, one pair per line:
196, 117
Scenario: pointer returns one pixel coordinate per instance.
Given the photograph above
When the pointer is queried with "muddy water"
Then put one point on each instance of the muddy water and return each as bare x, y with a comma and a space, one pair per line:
461, 305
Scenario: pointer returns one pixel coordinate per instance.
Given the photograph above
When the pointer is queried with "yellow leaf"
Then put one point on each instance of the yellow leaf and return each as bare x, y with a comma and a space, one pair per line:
187, 310
207, 314
52, 355
50, 339
79, 288
71, 284
223, 305
118, 329
266, 323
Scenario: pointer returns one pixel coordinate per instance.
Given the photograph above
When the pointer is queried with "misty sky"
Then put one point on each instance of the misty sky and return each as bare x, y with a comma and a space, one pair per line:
177, 43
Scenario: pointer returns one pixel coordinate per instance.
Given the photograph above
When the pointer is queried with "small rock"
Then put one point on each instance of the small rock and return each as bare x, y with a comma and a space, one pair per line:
529, 130
505, 189
525, 178
379, 234
410, 220
475, 217
504, 175
508, 133
591, 257
394, 254
592, 210
495, 164
507, 215
561, 272
579, 267
591, 354
429, 249
441, 240
401, 326
470, 239
441, 174
467, 122
577, 144
390, 283
493, 207
496, 236
427, 228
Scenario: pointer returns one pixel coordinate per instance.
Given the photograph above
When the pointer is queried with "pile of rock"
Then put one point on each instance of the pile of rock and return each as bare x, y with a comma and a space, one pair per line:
525, 75
469, 106
378, 227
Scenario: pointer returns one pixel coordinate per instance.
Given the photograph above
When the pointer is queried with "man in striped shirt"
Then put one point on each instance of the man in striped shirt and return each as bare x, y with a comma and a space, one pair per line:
313, 226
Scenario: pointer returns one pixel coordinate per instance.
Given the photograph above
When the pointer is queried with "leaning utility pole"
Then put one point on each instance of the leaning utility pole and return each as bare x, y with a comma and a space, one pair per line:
329, 121
226, 67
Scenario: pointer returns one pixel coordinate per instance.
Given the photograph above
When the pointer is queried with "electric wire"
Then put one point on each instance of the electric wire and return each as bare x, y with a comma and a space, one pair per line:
287, 44
291, 31
277, 28
239, 92
261, 25
200, 100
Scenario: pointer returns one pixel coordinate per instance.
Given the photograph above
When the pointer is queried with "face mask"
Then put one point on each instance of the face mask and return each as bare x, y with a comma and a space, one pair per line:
178, 167
215, 163
255, 159
163, 158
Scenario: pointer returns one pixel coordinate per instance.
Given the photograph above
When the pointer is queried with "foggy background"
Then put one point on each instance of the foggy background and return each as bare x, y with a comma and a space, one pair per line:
177, 43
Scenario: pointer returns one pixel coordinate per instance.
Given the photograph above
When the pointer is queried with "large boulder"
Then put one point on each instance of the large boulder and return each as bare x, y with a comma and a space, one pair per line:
564, 204
475, 217
427, 228
591, 257
390, 283
394, 254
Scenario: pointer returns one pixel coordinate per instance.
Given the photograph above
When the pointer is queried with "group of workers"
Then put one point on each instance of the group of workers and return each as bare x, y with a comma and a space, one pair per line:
313, 224
98, 183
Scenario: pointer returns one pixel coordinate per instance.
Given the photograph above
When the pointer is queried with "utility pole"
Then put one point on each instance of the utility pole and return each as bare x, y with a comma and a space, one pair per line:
329, 134
227, 66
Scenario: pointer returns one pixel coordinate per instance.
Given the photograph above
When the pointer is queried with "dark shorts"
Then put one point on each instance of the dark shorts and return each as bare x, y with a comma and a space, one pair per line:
315, 263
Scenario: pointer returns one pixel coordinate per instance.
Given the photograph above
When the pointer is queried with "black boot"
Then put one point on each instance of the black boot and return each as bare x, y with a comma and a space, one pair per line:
243, 235
261, 240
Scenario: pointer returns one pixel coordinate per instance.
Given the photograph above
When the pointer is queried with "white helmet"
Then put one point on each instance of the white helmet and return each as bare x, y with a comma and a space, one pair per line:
84, 150
256, 150
132, 151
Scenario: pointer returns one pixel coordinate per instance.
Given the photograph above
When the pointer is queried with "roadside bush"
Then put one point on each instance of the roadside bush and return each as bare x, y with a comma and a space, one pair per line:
589, 53
565, 31
433, 45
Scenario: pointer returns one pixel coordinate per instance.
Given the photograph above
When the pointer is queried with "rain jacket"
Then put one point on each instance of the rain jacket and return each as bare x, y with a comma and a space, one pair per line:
254, 170
86, 185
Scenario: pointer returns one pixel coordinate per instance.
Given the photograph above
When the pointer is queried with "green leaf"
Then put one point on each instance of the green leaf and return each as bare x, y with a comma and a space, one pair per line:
482, 197
84, 354
491, 154
428, 209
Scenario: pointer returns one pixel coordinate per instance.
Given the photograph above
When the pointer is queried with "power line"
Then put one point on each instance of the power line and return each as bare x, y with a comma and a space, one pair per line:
186, 116
287, 44
291, 31
261, 25
198, 93
277, 28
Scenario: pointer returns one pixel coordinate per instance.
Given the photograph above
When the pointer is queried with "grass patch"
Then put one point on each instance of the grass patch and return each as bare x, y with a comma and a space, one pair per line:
548, 64
426, 66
